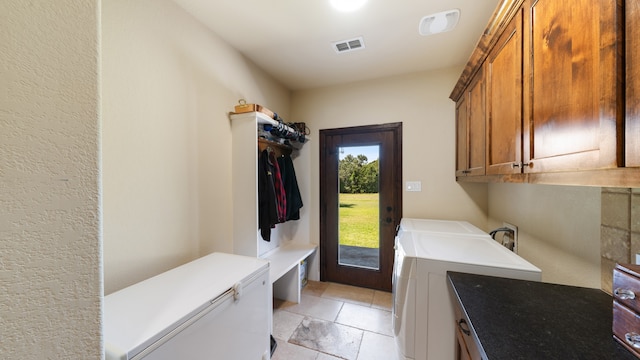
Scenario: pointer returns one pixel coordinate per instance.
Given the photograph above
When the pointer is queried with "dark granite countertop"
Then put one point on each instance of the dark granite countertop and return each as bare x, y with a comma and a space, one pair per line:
517, 319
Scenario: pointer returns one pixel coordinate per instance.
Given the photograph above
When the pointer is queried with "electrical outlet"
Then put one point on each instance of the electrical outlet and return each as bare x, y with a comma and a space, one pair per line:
515, 235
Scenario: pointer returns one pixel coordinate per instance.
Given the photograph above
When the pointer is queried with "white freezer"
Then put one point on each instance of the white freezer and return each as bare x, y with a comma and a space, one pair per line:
423, 319
215, 307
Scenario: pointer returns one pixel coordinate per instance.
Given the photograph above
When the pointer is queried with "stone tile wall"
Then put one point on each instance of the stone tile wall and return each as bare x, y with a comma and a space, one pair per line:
619, 230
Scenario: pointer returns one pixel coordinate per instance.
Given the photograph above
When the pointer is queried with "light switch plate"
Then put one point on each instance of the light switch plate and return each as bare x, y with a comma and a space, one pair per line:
414, 186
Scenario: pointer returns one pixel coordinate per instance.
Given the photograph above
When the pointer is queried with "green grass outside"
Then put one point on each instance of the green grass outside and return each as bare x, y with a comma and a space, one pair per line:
359, 214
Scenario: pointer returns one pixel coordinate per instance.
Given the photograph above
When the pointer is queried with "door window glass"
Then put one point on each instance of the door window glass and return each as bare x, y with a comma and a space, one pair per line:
359, 212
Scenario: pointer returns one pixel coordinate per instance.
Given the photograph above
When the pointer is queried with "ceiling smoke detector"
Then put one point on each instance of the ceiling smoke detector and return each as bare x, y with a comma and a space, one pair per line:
438, 23
348, 45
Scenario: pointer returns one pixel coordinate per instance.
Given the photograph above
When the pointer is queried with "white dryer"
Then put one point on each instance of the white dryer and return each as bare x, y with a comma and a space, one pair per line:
423, 318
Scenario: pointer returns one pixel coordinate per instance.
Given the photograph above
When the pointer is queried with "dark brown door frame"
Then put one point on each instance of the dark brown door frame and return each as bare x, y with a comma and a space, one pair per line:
390, 204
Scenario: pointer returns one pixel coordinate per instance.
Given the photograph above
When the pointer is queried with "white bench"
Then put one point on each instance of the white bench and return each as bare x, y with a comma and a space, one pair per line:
285, 269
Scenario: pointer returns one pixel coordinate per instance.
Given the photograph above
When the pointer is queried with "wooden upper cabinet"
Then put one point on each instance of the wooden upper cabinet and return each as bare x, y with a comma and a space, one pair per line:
573, 105
504, 101
562, 94
633, 84
470, 129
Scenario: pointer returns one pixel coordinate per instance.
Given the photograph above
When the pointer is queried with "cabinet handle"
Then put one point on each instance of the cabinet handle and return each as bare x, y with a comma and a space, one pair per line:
624, 294
520, 165
633, 339
464, 329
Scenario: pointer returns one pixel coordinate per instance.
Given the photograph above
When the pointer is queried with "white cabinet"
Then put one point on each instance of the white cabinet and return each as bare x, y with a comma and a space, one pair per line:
287, 246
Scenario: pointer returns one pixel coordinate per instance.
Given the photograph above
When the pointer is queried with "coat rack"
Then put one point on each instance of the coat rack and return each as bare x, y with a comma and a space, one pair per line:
278, 149
295, 137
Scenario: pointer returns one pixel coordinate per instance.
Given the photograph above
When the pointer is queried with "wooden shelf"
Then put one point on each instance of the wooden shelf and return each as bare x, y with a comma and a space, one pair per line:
278, 148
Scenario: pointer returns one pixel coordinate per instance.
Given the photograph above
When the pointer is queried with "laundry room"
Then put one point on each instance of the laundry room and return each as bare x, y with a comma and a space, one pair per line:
118, 156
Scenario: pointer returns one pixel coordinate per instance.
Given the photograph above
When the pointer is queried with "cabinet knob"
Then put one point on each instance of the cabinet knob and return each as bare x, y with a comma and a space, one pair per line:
633, 339
624, 294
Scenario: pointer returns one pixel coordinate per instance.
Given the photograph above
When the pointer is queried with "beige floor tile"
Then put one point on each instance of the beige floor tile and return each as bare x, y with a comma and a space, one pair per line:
322, 356
345, 310
328, 337
315, 288
287, 351
321, 308
351, 294
382, 300
285, 323
281, 304
365, 318
377, 347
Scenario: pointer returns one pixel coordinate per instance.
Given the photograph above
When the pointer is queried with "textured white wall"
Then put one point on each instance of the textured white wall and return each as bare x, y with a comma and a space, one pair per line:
50, 253
168, 84
420, 101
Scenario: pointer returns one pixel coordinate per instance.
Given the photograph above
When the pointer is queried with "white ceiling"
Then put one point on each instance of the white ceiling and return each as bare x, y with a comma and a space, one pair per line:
292, 39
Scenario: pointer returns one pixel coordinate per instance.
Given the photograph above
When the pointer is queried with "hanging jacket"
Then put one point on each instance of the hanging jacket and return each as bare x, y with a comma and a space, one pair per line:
267, 209
291, 189
281, 197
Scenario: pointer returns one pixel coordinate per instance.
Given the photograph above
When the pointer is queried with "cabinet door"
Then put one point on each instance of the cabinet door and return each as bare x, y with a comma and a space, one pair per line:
466, 346
470, 126
633, 84
573, 85
462, 116
504, 101
476, 126
462, 352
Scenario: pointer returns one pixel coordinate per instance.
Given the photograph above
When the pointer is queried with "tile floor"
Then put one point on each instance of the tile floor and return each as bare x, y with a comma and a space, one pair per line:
334, 321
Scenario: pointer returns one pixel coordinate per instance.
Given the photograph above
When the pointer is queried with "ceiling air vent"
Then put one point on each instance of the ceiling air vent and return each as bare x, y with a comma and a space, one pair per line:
348, 45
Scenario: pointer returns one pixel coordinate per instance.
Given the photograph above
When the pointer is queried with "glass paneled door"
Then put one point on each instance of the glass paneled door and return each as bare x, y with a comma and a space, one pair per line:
361, 204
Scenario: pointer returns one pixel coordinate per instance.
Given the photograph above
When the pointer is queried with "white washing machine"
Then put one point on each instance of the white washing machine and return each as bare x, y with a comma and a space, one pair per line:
439, 226
423, 319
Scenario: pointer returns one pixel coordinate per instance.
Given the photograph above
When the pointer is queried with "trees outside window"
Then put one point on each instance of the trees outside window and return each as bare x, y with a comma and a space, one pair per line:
357, 175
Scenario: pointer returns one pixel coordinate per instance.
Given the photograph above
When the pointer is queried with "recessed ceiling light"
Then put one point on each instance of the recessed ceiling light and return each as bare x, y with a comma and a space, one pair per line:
439, 22
347, 5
